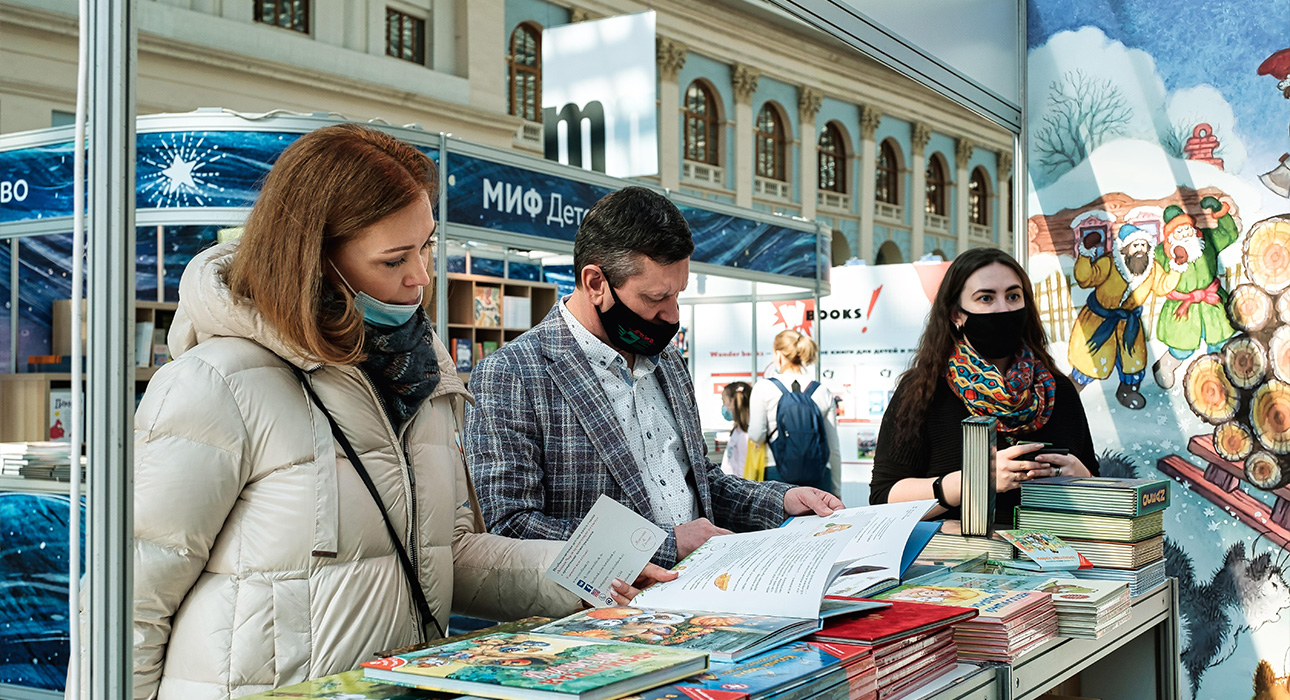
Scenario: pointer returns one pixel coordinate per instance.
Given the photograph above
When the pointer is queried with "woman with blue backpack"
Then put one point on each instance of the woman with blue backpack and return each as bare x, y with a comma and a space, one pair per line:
797, 416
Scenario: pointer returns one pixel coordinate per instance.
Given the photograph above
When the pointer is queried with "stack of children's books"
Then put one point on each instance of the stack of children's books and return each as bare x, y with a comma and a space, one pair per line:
1010, 623
951, 542
37, 460
1085, 609
1117, 524
911, 642
820, 670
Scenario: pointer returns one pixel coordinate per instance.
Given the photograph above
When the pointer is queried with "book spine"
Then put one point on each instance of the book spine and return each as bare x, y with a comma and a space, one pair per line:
978, 476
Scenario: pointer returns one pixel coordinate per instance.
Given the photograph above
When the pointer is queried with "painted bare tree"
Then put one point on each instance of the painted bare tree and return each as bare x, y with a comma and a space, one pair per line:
1083, 113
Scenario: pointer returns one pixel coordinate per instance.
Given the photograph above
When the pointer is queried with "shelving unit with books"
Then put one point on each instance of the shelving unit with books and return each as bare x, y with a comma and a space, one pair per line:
485, 313
30, 401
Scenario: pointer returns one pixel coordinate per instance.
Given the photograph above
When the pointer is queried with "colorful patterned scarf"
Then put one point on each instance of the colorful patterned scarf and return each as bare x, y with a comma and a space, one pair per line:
1022, 401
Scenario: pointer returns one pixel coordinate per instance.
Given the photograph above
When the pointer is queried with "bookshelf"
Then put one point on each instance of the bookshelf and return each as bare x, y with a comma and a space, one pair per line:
478, 309
25, 397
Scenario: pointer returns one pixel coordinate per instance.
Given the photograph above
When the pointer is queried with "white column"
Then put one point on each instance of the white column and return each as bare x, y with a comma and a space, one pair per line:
962, 156
671, 58
808, 105
917, 203
744, 80
1004, 219
869, 120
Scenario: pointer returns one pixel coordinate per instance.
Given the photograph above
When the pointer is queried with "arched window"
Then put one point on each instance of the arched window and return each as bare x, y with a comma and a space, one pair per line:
702, 124
888, 186
936, 187
524, 72
978, 198
833, 160
770, 145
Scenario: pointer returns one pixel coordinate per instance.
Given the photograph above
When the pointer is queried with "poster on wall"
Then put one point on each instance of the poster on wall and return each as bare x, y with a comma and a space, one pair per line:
868, 328
1159, 242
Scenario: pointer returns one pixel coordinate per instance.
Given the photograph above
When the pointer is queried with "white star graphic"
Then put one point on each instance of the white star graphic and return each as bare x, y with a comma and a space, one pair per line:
179, 174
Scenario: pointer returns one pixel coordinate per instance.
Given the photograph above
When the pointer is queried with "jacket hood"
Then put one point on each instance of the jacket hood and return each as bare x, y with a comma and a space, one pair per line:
208, 309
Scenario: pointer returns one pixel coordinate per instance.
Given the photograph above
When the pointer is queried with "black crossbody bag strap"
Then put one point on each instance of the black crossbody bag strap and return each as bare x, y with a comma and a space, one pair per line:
414, 582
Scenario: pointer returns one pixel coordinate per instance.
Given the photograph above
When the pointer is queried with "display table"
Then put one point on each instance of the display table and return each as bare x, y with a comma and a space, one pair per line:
1136, 661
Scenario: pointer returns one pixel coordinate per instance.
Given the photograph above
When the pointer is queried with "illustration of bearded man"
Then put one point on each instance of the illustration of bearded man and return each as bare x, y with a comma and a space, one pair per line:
1196, 309
1108, 332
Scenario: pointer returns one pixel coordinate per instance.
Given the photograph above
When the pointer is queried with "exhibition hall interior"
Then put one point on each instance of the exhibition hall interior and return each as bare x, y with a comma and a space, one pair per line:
662, 349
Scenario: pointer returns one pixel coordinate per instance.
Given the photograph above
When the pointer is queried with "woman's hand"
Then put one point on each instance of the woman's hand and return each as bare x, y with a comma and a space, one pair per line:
1062, 465
653, 573
1015, 465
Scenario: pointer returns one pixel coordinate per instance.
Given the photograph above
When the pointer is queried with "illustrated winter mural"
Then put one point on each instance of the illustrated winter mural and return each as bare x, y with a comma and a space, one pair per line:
1160, 251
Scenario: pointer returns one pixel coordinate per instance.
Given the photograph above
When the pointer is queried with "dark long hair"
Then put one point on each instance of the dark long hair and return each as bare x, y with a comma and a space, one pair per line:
940, 336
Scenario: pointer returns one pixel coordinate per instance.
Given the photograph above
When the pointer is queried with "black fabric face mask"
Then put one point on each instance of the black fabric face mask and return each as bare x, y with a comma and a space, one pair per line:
997, 335
629, 332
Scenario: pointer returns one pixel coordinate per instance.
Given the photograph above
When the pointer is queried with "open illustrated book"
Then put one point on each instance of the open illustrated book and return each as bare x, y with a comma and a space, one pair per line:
887, 539
741, 594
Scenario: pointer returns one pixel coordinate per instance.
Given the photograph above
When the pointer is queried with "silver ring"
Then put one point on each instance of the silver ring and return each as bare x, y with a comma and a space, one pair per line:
1057, 471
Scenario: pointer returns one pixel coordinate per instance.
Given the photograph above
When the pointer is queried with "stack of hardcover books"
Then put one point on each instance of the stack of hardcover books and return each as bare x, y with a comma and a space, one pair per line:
951, 542
911, 642
37, 460
820, 670
1085, 609
1117, 524
1010, 623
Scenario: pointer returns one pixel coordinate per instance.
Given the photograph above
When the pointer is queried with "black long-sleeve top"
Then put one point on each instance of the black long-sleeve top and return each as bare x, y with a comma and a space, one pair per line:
938, 448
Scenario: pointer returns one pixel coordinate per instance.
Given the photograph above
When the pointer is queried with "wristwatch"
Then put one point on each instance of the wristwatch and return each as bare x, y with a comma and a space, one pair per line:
939, 492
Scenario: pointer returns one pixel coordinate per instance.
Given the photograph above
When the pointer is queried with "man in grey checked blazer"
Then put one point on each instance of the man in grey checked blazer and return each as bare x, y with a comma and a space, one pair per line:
594, 400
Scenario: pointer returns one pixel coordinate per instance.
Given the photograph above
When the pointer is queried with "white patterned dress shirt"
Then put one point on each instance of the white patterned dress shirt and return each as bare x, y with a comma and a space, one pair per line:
647, 421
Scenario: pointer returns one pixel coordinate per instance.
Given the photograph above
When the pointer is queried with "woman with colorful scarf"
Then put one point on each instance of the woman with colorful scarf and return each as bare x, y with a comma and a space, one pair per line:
983, 353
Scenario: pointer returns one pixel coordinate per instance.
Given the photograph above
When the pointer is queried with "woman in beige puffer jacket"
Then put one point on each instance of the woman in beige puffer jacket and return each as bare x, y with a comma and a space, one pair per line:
261, 559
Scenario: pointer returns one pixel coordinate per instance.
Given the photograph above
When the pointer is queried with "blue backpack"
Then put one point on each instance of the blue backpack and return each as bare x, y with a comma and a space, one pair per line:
800, 445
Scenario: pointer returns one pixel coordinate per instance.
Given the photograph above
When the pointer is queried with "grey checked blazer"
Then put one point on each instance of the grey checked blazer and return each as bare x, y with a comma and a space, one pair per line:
542, 443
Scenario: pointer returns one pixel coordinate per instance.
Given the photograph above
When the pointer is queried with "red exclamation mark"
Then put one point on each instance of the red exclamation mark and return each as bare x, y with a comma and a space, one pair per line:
872, 300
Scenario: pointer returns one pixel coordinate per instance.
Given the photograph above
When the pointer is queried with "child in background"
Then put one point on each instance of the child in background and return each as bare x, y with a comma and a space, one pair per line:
734, 408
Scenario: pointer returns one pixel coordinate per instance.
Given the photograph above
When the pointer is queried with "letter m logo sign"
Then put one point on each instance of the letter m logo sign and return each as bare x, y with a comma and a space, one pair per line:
572, 116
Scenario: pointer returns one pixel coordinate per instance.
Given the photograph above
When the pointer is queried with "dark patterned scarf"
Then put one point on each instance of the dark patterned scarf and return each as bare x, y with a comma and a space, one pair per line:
402, 365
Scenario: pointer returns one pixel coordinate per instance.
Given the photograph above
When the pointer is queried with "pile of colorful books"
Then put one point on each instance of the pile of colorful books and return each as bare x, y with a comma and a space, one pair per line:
1117, 524
1009, 624
951, 542
37, 460
1085, 609
911, 642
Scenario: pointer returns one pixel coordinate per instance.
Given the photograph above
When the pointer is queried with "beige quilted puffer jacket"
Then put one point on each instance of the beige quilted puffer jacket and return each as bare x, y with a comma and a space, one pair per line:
260, 558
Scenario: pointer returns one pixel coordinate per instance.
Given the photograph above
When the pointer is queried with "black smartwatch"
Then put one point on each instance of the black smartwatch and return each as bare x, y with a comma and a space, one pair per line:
939, 492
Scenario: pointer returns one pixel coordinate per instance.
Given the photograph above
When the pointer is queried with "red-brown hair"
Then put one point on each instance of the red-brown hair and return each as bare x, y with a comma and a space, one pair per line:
323, 191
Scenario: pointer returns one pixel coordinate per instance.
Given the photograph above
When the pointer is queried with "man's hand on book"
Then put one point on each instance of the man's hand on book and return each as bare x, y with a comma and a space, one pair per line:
652, 574
694, 533
805, 500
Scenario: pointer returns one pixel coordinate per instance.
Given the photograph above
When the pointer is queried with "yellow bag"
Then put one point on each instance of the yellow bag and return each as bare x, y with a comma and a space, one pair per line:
755, 462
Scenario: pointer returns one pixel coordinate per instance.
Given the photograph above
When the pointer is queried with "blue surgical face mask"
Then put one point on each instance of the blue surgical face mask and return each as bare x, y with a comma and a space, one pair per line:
725, 413
379, 313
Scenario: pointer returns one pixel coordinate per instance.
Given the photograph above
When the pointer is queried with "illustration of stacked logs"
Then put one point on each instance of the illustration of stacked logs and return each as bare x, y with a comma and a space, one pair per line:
1244, 389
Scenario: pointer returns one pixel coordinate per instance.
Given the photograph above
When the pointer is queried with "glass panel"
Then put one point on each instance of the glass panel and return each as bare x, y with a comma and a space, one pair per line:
145, 263
44, 276
6, 307
182, 244
35, 635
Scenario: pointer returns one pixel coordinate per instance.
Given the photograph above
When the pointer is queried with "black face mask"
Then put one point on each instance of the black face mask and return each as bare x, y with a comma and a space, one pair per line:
629, 332
995, 336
